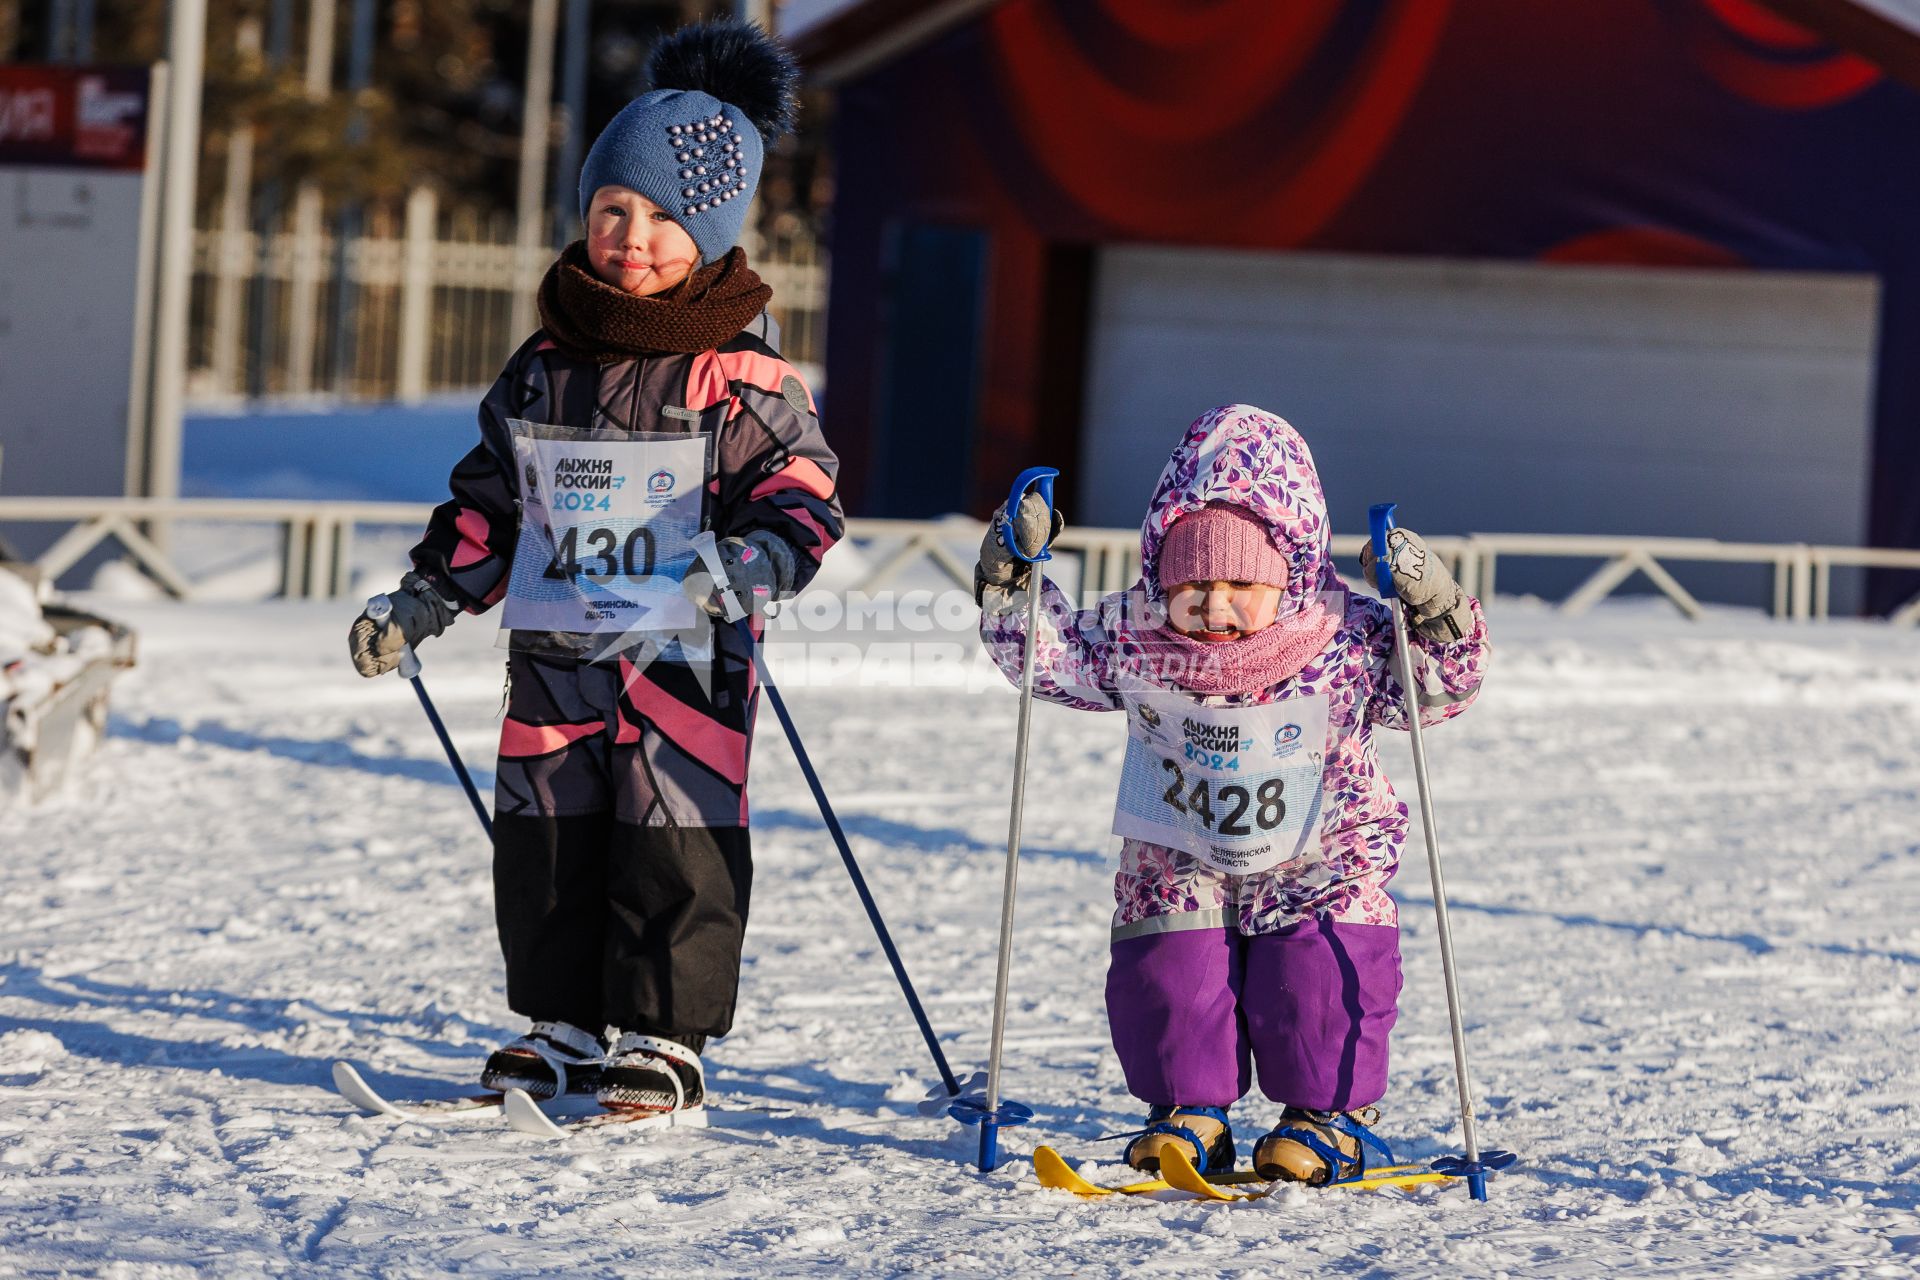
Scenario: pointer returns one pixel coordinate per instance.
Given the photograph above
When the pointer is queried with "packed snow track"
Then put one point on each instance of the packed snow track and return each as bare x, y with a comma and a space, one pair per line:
1684, 862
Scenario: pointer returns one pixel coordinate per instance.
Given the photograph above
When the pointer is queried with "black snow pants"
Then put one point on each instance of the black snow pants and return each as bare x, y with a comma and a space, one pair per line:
621, 860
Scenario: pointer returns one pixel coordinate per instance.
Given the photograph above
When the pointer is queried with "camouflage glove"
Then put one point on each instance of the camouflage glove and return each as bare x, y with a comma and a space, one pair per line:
759, 569
998, 567
418, 613
1436, 605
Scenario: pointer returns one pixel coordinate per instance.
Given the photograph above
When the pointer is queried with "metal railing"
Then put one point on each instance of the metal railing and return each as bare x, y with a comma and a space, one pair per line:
432, 305
1822, 561
316, 538
1105, 559
317, 546
1792, 565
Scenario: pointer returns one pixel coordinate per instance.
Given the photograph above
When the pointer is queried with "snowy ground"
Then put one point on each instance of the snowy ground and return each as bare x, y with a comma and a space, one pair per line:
1685, 866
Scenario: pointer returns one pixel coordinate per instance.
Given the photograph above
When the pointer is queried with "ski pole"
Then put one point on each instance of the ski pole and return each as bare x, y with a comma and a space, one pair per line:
994, 1115
853, 868
379, 609
1476, 1166
705, 545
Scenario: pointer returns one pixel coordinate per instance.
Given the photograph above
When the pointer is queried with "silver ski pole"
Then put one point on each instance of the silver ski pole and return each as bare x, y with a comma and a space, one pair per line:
993, 1116
1473, 1168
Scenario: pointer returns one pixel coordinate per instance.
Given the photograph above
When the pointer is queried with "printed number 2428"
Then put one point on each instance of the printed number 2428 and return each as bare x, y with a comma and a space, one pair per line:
1268, 813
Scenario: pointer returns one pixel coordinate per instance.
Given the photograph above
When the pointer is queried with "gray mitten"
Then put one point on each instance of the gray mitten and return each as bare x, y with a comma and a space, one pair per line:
759, 569
999, 567
1436, 605
418, 613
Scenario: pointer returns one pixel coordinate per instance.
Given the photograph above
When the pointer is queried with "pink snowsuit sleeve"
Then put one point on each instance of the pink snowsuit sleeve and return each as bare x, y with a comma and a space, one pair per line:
1071, 655
1448, 672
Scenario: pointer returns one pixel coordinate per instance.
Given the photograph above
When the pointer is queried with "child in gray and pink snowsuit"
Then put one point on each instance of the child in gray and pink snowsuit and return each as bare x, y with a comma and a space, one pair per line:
1254, 929
622, 857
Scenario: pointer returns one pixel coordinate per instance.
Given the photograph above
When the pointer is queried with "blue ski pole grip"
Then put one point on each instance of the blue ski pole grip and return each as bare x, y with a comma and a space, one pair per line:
1041, 479
1380, 524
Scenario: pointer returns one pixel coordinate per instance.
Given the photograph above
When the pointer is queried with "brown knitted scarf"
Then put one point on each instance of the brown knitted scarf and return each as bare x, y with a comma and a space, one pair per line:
589, 319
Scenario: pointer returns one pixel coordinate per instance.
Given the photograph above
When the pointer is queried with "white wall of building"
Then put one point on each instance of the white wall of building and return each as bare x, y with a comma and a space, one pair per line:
1498, 397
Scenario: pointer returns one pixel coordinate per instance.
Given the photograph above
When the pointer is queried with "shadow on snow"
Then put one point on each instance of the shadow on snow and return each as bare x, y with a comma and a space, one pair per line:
249, 1013
1753, 943
326, 752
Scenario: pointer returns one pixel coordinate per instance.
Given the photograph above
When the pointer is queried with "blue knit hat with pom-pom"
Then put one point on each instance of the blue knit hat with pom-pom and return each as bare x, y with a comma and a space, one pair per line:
723, 92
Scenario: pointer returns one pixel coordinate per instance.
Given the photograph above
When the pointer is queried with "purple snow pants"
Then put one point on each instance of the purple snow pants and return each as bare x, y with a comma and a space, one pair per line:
1311, 1007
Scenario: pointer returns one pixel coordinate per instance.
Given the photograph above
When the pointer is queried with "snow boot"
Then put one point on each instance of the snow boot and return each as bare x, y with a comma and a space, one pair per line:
1318, 1147
652, 1073
1203, 1130
552, 1059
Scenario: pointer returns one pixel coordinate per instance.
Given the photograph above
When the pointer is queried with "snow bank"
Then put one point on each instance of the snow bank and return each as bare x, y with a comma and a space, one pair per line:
40, 666
23, 630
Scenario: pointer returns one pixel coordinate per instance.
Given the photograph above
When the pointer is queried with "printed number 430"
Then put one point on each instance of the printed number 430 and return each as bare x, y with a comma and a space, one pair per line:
1199, 801
636, 557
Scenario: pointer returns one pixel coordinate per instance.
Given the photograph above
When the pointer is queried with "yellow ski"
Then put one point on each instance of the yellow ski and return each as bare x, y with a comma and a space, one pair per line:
1055, 1172
1180, 1174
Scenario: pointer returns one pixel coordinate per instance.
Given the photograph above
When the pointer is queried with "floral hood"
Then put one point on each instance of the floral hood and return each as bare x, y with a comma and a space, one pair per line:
1255, 460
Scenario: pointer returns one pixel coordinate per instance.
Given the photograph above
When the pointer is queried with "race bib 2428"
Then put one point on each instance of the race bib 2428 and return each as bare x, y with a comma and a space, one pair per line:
1237, 787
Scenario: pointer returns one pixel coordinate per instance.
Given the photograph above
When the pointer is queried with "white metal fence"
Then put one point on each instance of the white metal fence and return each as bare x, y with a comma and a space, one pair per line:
316, 551
433, 303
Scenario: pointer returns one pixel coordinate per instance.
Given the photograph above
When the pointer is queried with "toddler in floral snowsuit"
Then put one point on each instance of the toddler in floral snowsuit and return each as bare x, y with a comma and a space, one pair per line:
1290, 966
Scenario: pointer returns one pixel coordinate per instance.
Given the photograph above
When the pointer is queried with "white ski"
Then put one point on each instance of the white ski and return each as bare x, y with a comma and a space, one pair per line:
478, 1106
526, 1116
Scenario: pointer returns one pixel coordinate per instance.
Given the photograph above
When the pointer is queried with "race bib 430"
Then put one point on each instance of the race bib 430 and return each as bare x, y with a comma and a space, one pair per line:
606, 527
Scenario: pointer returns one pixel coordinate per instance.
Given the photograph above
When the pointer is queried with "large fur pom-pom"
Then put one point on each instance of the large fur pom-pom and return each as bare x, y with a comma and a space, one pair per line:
737, 63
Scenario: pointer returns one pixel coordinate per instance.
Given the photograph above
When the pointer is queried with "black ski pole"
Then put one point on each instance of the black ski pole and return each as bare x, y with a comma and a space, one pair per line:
379, 609
846, 856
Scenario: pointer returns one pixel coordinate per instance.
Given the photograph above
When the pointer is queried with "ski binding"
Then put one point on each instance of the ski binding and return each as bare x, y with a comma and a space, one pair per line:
1178, 1174
525, 1116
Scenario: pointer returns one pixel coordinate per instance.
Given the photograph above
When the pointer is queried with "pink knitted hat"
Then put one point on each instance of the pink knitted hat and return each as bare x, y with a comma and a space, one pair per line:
1221, 543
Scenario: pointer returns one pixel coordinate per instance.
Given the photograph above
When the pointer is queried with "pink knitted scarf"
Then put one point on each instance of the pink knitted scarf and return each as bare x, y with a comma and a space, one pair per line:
1274, 653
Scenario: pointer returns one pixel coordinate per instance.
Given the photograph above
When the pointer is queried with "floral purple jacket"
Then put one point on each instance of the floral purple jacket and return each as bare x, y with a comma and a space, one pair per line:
1244, 455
